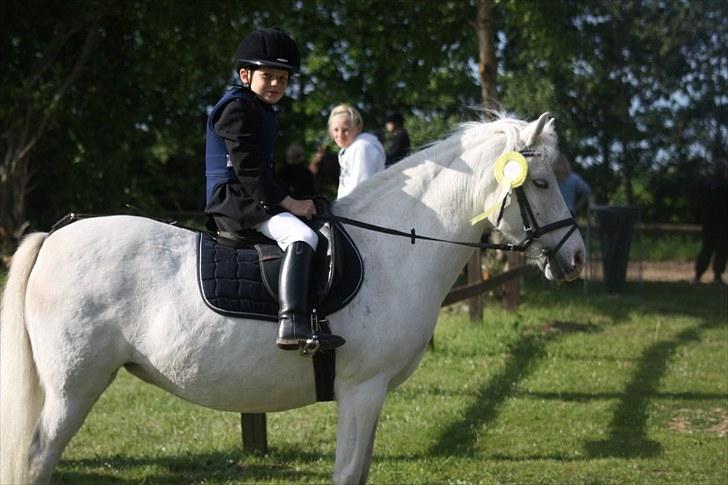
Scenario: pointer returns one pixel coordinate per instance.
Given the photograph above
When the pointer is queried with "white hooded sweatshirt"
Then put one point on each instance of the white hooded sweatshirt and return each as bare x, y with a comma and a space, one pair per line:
359, 161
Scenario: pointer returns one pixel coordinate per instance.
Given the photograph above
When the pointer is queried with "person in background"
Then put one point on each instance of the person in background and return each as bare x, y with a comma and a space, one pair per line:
574, 189
713, 206
397, 145
360, 155
295, 174
242, 192
324, 165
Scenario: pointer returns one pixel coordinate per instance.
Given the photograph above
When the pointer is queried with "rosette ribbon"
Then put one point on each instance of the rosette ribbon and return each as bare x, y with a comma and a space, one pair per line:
510, 170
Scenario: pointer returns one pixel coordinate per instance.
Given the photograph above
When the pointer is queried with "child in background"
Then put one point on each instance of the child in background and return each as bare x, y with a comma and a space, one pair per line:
361, 154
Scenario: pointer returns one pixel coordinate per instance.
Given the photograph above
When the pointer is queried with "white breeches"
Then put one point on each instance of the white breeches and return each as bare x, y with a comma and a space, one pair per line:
285, 228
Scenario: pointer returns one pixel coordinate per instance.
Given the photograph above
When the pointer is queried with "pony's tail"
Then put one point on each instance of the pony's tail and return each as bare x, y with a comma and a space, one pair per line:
21, 395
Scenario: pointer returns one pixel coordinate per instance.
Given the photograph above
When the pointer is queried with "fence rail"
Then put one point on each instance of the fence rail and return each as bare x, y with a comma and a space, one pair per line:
473, 289
659, 228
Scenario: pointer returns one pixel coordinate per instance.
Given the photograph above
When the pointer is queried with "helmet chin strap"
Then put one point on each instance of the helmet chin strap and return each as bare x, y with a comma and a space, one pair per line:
250, 72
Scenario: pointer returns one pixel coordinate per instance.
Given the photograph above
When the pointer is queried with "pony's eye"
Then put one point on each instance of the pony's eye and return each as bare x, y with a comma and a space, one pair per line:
541, 183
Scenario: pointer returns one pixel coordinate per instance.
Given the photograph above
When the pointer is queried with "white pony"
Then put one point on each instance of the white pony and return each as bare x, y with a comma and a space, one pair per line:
111, 292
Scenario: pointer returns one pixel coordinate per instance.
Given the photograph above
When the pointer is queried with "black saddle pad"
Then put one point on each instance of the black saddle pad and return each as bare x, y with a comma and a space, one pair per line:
231, 281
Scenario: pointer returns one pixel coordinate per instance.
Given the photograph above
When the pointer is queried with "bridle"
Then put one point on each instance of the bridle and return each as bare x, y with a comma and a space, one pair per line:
530, 226
530, 223
534, 231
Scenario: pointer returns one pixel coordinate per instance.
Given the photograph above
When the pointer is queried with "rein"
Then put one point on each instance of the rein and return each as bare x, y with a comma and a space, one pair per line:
413, 236
530, 226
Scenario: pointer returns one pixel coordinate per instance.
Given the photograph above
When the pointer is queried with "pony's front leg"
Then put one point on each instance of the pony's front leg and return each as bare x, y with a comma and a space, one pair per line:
359, 408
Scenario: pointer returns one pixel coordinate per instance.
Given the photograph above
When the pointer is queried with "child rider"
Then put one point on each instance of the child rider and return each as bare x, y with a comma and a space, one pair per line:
242, 192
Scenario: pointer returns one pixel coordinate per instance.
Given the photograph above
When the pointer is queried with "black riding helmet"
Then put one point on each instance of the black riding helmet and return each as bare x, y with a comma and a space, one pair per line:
268, 48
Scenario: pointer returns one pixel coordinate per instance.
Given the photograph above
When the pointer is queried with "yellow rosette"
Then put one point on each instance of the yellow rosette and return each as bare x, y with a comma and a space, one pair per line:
510, 170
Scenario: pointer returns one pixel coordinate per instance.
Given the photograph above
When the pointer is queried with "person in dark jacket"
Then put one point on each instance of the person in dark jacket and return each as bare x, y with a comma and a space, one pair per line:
714, 219
324, 165
242, 192
294, 174
398, 143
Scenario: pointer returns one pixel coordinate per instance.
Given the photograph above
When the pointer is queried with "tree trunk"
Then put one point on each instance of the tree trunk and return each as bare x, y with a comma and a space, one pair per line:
487, 70
487, 65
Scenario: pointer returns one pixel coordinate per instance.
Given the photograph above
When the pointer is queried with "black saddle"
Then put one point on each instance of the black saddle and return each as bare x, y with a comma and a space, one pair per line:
241, 279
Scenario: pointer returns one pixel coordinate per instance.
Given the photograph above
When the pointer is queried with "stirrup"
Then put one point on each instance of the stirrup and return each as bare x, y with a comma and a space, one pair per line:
310, 346
319, 341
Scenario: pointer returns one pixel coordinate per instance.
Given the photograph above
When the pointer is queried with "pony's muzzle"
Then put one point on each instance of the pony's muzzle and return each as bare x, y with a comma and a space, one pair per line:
566, 267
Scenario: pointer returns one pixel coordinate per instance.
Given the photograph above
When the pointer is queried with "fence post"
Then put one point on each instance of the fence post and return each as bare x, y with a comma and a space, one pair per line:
475, 275
512, 287
255, 433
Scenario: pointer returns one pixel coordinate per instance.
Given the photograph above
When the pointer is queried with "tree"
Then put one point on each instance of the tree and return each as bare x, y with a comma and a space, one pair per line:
104, 104
634, 85
33, 94
488, 64
112, 109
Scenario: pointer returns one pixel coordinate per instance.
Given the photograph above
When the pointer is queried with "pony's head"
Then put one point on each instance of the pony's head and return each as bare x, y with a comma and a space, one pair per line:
524, 202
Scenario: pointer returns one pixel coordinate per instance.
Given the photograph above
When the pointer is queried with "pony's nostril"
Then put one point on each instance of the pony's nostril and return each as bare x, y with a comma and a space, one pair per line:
578, 258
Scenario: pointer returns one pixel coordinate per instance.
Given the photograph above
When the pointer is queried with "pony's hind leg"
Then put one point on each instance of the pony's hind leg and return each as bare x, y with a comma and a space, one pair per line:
359, 409
62, 416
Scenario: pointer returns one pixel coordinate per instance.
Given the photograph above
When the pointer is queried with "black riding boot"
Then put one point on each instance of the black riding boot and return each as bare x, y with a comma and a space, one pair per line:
295, 324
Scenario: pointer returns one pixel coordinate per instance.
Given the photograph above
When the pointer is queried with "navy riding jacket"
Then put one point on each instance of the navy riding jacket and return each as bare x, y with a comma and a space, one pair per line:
241, 185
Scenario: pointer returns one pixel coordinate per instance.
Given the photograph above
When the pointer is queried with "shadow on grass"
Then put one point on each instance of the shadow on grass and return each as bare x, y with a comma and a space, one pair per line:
627, 436
460, 436
608, 396
627, 429
193, 468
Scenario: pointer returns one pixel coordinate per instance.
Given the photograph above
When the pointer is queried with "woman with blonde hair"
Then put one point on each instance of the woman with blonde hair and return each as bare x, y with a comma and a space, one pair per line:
361, 154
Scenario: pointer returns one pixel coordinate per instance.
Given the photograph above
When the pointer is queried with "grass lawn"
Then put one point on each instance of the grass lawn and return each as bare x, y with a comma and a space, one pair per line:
595, 389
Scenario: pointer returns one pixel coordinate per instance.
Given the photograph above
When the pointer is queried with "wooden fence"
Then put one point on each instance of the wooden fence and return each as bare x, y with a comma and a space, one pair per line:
253, 425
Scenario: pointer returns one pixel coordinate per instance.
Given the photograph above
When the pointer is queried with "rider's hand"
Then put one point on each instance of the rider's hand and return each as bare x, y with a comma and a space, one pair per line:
303, 208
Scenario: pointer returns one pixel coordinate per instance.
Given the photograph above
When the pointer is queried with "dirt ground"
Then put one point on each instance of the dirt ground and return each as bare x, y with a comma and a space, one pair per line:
672, 271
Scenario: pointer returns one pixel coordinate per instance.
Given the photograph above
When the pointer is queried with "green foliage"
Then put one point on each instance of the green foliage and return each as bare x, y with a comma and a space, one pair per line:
668, 248
426, 131
647, 246
637, 88
625, 80
567, 389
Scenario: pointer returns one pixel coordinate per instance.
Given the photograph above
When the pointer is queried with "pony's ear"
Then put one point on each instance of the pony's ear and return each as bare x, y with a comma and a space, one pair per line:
551, 125
534, 129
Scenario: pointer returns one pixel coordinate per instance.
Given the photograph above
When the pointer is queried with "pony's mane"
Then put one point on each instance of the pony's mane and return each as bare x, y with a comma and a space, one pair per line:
471, 131
504, 130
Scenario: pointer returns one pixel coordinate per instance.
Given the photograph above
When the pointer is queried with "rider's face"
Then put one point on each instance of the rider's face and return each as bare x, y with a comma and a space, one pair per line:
267, 83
